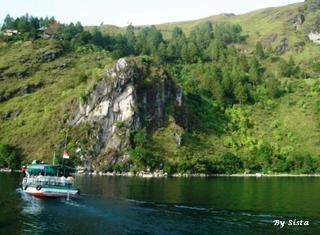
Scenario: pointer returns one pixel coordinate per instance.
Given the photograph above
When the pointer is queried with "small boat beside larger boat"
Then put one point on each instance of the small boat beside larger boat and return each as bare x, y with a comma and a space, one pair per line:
44, 180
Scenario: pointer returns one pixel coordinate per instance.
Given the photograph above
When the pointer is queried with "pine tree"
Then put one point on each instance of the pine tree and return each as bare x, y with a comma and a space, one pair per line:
259, 50
8, 23
254, 71
241, 93
273, 87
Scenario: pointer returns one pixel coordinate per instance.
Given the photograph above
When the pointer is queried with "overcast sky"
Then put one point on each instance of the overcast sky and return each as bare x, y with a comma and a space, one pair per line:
137, 12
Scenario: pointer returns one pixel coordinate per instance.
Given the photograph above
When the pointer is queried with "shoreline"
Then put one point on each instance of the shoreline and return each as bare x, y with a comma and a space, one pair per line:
165, 175
177, 175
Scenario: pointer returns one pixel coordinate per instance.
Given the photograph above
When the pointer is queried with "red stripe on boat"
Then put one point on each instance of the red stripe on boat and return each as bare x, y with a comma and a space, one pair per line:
47, 195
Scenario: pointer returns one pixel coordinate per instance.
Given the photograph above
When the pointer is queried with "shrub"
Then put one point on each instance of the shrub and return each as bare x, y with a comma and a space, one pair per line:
140, 152
230, 163
302, 163
280, 164
273, 88
121, 167
318, 106
9, 157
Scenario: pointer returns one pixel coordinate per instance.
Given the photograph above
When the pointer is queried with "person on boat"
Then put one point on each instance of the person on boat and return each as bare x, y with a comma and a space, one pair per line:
63, 180
24, 170
70, 178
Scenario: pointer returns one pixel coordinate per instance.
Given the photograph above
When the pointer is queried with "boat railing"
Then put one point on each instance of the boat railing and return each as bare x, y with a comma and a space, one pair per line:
48, 181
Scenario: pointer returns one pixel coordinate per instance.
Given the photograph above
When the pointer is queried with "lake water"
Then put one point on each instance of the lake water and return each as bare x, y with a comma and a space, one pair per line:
121, 205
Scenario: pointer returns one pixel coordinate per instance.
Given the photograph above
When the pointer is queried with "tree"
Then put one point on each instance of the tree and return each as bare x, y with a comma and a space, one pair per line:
288, 69
241, 93
177, 33
172, 51
189, 52
8, 23
9, 157
259, 50
131, 38
96, 37
215, 49
148, 40
162, 51
255, 72
202, 35
273, 88
230, 163
23, 24
140, 153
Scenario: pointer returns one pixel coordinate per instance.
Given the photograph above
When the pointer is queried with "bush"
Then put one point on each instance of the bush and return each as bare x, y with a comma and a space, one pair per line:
9, 157
273, 88
280, 164
302, 163
121, 167
318, 106
230, 164
170, 168
140, 154
198, 164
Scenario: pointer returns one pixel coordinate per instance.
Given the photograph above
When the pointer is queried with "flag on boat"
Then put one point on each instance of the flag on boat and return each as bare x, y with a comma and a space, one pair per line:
65, 155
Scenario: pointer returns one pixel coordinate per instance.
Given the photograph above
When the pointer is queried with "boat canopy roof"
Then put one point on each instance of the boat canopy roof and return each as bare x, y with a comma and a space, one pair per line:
46, 169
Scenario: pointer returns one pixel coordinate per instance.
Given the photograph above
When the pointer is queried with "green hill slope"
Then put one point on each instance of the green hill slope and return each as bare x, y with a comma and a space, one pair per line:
270, 26
241, 111
39, 83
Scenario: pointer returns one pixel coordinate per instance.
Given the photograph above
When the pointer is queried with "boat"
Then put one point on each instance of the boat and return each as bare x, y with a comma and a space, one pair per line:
45, 180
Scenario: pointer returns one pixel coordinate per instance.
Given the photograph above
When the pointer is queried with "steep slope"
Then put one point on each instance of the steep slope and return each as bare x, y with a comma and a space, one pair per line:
38, 84
133, 94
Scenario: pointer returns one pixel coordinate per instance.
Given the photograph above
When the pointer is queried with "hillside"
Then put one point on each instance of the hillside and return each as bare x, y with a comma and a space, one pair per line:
224, 94
38, 82
270, 26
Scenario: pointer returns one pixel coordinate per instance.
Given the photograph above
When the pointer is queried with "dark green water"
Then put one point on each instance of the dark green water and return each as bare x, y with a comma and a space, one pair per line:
120, 205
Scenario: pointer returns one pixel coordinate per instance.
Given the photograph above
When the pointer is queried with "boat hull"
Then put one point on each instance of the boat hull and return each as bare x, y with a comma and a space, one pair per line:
51, 192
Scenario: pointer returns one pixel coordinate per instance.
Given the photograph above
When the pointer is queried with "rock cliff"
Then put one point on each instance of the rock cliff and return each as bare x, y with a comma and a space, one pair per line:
133, 93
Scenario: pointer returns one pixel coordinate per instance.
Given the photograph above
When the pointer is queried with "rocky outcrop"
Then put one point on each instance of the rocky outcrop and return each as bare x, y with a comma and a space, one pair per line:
299, 46
298, 21
282, 47
49, 53
9, 114
228, 14
23, 90
48, 56
133, 93
313, 5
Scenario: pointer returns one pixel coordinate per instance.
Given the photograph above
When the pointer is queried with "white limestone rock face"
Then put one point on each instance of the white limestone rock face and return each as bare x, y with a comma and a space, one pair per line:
110, 109
314, 37
119, 102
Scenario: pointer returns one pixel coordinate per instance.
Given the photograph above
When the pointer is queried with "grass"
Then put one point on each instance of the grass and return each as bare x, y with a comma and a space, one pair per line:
289, 123
293, 122
40, 124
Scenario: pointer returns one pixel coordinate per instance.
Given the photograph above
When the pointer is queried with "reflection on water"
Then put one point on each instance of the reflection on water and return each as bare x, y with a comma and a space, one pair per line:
120, 205
32, 205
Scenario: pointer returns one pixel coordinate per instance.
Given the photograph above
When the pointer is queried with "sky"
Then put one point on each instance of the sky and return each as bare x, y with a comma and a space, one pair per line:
136, 12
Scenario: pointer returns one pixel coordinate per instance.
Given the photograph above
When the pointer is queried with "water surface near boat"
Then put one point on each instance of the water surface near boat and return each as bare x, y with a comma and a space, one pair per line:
122, 205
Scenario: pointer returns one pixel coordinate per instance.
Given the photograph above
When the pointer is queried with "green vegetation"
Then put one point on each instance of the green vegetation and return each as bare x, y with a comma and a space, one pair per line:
9, 157
250, 101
